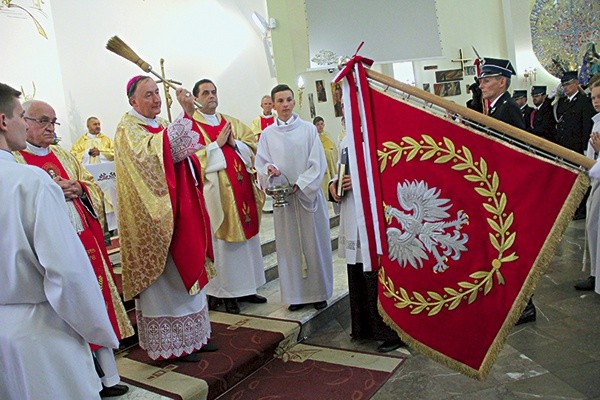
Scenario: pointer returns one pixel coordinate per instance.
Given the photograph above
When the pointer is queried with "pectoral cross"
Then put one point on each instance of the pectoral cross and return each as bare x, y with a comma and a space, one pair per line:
461, 60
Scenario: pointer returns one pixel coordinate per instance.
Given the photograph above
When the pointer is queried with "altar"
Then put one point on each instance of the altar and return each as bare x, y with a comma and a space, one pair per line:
105, 176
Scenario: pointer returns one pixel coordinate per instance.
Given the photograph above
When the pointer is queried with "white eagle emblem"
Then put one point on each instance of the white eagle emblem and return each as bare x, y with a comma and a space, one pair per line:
423, 229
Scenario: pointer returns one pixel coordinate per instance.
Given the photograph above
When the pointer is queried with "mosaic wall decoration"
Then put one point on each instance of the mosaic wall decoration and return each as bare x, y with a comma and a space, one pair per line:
561, 31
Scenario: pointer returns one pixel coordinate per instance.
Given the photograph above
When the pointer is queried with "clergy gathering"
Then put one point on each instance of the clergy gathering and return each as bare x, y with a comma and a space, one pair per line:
300, 199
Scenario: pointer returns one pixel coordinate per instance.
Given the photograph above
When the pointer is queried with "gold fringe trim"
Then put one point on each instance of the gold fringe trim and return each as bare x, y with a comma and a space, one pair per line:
539, 267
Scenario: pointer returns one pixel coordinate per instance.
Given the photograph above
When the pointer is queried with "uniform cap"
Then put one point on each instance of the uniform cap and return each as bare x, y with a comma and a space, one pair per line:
496, 67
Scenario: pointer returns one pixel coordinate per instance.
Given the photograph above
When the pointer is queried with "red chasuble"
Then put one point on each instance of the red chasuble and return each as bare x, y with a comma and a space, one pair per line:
92, 235
241, 181
191, 242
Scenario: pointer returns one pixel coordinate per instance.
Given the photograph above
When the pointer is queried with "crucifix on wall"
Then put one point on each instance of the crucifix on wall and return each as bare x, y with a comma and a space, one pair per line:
461, 59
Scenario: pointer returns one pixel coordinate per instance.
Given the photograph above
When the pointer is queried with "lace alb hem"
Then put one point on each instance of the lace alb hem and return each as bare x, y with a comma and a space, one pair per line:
168, 337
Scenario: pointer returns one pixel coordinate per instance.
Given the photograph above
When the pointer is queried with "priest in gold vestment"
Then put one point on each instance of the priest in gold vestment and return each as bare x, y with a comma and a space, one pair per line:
163, 224
259, 124
234, 202
93, 147
266, 118
85, 204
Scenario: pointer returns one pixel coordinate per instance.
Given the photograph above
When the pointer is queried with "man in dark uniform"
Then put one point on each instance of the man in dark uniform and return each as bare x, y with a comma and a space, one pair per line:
520, 97
574, 114
541, 121
494, 81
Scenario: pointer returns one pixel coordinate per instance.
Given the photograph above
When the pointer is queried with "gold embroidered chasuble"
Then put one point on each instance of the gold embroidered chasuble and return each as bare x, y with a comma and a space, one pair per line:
144, 204
102, 142
218, 190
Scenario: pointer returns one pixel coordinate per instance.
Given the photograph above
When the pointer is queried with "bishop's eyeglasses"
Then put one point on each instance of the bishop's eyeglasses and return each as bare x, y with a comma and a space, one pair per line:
44, 121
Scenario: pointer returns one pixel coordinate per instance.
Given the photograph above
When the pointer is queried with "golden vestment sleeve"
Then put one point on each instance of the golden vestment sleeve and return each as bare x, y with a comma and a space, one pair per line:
255, 126
79, 147
231, 229
77, 171
331, 155
106, 147
144, 205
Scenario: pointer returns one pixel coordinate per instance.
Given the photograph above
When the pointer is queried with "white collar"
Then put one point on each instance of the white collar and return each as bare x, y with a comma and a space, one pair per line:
153, 122
38, 151
290, 121
212, 119
493, 103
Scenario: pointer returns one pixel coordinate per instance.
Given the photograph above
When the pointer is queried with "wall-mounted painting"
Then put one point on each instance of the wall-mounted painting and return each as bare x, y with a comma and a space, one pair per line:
447, 89
470, 70
427, 87
321, 93
448, 75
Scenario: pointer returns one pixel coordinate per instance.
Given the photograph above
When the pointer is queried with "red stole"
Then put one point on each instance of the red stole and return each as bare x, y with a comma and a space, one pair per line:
241, 181
264, 123
191, 243
92, 236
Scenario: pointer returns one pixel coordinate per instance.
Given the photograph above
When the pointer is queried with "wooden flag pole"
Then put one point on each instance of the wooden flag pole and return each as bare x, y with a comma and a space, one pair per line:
497, 125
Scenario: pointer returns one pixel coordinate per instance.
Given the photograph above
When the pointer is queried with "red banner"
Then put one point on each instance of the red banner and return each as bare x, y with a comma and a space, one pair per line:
469, 223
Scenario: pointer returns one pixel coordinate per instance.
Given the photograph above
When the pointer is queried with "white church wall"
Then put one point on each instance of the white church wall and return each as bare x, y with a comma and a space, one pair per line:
496, 28
29, 59
198, 39
74, 72
462, 25
478, 23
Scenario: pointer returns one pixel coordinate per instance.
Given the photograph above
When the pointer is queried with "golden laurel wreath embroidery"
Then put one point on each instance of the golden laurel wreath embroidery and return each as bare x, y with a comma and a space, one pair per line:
500, 222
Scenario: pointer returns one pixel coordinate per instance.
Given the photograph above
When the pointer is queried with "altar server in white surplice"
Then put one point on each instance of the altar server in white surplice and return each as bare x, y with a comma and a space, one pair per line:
50, 302
291, 147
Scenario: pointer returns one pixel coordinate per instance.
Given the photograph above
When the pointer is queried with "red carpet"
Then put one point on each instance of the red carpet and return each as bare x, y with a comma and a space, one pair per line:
307, 372
245, 344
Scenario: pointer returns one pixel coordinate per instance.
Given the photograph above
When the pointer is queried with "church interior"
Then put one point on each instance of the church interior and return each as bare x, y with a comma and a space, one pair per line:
55, 51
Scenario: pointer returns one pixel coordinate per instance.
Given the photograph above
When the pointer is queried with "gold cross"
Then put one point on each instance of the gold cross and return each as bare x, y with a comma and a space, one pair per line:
461, 60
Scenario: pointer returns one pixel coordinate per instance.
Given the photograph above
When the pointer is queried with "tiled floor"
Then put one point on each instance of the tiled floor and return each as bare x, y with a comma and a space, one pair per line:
556, 357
